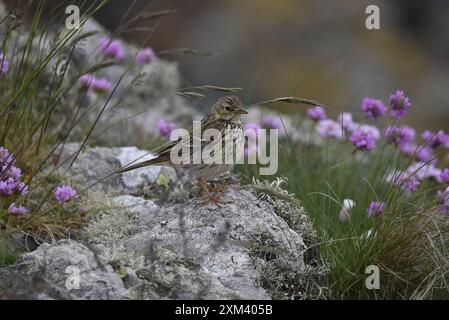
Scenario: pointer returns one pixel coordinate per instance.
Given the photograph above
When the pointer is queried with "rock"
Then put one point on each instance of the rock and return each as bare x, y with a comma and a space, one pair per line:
96, 168
51, 272
250, 247
195, 250
226, 244
132, 179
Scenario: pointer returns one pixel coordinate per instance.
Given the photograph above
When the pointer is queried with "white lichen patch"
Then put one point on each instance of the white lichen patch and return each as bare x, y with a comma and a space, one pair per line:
110, 226
134, 204
114, 223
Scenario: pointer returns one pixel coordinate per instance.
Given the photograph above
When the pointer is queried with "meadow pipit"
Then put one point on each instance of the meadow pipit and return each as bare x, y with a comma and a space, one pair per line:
224, 117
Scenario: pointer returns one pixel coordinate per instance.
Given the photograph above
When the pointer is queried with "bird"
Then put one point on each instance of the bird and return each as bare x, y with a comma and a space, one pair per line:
225, 116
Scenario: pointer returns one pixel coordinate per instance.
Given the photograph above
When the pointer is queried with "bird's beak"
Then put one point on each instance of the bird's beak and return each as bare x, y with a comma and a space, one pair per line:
239, 110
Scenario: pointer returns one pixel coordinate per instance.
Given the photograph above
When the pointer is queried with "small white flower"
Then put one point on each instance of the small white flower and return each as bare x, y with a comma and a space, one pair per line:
348, 204
344, 214
367, 235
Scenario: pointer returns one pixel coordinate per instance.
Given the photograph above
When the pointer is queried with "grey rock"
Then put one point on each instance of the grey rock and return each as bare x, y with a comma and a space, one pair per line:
96, 167
251, 247
51, 272
222, 248
194, 250
135, 178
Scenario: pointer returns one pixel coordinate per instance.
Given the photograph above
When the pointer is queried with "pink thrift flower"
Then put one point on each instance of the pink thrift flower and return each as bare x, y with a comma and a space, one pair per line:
86, 80
373, 108
369, 129
330, 129
112, 48
17, 210
316, 113
419, 152
400, 135
375, 209
411, 184
424, 171
363, 140
10, 171
346, 121
424, 154
408, 149
271, 122
101, 85
22, 188
6, 157
435, 140
400, 103
10, 175
4, 64
251, 129
64, 193
165, 127
145, 56
445, 175
7, 187
10, 186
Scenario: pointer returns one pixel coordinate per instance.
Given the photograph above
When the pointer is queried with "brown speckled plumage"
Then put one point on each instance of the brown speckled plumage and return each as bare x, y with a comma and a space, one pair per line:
225, 114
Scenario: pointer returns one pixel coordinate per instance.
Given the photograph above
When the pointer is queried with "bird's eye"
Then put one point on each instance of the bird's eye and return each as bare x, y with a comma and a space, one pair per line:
227, 108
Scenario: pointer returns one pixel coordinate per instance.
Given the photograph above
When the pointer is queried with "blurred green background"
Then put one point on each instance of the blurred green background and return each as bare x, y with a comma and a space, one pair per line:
317, 49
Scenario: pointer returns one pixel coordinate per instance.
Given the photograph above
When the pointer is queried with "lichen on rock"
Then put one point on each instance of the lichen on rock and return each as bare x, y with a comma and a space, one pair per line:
278, 275
193, 250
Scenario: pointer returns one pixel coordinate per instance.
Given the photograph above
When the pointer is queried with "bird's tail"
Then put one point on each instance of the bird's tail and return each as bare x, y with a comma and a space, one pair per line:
140, 165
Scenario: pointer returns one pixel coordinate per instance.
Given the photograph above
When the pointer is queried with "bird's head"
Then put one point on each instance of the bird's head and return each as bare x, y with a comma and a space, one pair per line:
228, 108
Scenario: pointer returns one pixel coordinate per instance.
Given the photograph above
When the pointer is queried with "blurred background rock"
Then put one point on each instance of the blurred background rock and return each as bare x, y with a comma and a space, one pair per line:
316, 49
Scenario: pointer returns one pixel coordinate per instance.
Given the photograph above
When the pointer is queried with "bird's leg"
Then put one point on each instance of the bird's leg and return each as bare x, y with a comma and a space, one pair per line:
204, 185
209, 191
219, 187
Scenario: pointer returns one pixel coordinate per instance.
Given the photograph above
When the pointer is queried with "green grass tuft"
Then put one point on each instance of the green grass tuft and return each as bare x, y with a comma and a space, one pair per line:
407, 242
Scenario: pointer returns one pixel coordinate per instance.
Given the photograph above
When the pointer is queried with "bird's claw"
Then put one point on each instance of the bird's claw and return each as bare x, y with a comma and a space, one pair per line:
211, 193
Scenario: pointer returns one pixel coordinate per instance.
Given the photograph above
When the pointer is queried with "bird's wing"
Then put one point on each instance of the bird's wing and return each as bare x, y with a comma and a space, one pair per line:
164, 153
206, 123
